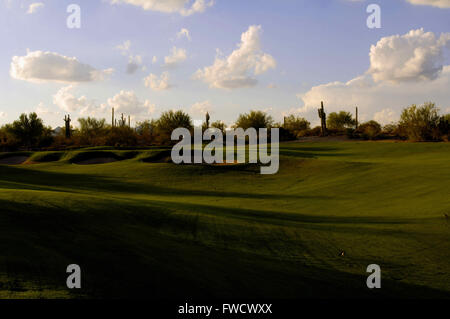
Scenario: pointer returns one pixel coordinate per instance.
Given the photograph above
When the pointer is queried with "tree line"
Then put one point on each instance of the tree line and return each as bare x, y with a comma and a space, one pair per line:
417, 123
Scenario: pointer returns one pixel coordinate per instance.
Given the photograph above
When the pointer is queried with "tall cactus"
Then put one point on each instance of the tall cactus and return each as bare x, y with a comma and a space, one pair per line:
323, 120
67, 120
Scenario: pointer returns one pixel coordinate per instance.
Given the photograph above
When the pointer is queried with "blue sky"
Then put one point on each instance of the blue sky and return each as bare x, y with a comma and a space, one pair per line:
307, 50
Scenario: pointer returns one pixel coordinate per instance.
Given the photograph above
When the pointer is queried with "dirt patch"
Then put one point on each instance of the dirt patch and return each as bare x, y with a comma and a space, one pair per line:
226, 164
13, 160
97, 160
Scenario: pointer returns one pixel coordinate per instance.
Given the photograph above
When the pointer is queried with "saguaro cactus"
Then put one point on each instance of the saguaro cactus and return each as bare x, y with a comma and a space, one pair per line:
112, 120
323, 120
207, 120
67, 120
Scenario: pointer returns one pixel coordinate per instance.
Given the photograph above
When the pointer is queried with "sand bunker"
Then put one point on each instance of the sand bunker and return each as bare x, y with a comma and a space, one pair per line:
13, 160
97, 160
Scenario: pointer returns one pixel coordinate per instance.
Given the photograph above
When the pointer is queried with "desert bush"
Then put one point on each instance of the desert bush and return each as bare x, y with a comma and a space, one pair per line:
219, 125
8, 142
29, 131
420, 123
340, 121
444, 127
255, 119
92, 132
296, 125
369, 130
121, 136
146, 131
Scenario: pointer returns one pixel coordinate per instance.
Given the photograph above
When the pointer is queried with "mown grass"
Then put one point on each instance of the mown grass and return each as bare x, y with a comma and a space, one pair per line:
141, 228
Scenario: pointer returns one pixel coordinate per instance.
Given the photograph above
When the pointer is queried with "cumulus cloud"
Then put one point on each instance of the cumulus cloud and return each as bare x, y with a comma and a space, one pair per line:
176, 57
183, 7
127, 102
435, 3
124, 102
156, 83
66, 100
184, 33
417, 55
201, 108
134, 62
386, 116
32, 8
385, 100
39, 66
241, 66
124, 47
404, 70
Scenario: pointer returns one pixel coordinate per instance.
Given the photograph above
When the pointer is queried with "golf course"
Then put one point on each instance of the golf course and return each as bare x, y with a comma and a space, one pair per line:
140, 226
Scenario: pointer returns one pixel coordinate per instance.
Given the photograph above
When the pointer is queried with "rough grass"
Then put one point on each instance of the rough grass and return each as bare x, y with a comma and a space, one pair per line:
158, 230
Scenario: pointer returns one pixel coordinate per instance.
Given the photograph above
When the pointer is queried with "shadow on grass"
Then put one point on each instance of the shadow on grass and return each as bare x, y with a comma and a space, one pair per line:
122, 258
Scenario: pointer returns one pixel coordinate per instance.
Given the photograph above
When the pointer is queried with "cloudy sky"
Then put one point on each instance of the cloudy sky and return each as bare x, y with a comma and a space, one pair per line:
223, 56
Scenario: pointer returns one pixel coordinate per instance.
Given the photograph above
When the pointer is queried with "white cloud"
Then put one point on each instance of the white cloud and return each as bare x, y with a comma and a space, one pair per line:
32, 8
41, 66
386, 116
124, 47
183, 7
417, 55
158, 83
124, 102
404, 70
372, 97
66, 100
176, 57
3, 114
434, 3
184, 33
201, 108
241, 66
127, 102
134, 62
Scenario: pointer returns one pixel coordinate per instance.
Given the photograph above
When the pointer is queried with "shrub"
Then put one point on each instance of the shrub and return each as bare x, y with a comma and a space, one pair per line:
369, 130
29, 130
219, 125
296, 125
420, 123
92, 131
255, 119
340, 121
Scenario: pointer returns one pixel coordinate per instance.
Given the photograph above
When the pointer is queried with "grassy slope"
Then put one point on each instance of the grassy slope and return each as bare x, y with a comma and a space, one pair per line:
161, 230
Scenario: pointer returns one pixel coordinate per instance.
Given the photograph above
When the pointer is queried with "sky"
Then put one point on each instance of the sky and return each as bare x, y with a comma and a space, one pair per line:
225, 57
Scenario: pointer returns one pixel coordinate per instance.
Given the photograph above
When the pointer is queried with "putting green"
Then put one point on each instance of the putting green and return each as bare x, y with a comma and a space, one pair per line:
140, 227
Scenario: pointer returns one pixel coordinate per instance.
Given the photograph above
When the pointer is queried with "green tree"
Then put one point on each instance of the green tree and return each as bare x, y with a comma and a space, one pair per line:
295, 124
255, 119
92, 130
219, 125
340, 121
28, 129
370, 130
420, 123
171, 120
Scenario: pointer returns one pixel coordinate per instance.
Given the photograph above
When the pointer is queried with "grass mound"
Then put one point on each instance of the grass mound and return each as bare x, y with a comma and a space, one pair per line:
157, 156
100, 157
45, 157
14, 158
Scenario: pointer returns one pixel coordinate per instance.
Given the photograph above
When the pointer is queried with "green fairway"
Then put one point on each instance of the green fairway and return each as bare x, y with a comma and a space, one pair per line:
140, 227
